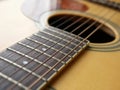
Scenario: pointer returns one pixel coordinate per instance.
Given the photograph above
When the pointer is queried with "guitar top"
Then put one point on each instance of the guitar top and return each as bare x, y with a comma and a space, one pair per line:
76, 48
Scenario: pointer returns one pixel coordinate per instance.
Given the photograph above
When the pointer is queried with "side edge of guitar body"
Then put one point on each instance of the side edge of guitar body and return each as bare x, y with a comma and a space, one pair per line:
92, 70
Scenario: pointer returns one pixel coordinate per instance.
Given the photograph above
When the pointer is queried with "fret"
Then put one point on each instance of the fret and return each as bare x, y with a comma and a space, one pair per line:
39, 85
17, 75
64, 33
41, 70
58, 34
63, 38
50, 42
49, 75
28, 80
57, 46
28, 60
35, 62
46, 46
34, 54
43, 56
23, 68
9, 70
56, 39
53, 61
73, 54
35, 41
49, 36
59, 55
37, 38
10, 55
50, 52
3, 64
59, 66
17, 88
66, 50
9, 79
67, 59
24, 61
62, 43
71, 46
32, 64
5, 84
30, 43
43, 48
21, 48
54, 33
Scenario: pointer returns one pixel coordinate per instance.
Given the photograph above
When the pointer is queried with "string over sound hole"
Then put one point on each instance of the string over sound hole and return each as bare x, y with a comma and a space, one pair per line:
82, 26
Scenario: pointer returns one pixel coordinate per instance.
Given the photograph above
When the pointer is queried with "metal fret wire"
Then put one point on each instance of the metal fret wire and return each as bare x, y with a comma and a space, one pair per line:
65, 56
43, 62
55, 44
26, 76
30, 62
16, 61
21, 57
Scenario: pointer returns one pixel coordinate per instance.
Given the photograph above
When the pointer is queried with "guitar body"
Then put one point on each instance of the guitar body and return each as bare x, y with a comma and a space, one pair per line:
93, 69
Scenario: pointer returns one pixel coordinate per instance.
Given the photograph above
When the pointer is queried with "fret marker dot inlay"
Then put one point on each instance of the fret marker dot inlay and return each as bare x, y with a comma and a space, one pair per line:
44, 49
25, 62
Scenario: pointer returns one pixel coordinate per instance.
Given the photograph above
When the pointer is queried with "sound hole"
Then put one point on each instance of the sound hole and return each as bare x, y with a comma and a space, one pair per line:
82, 26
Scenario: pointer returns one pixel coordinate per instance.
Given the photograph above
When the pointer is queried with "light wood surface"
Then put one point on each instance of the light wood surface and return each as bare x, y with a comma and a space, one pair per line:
14, 26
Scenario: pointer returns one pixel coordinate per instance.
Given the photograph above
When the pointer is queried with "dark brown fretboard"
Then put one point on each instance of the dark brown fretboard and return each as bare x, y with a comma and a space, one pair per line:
32, 62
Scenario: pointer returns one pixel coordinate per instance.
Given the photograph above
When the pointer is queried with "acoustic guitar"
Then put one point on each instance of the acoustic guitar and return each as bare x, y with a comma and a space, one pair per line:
75, 49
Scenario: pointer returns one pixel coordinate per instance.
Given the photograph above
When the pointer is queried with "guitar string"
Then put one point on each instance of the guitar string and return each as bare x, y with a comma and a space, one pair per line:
36, 68
96, 29
59, 62
17, 60
48, 71
28, 62
63, 57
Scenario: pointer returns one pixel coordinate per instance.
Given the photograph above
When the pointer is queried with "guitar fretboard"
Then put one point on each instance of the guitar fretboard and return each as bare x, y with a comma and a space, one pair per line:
32, 62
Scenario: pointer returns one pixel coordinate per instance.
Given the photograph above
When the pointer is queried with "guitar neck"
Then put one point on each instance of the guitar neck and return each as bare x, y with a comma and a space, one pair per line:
108, 3
34, 61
